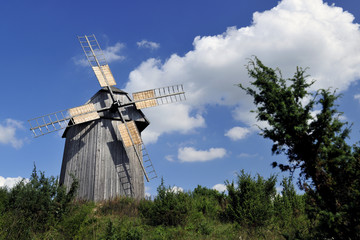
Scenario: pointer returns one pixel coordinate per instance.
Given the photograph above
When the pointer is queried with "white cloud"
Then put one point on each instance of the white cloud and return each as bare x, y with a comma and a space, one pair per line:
220, 187
237, 133
306, 33
10, 182
357, 97
170, 158
8, 133
170, 118
112, 54
148, 44
176, 189
189, 154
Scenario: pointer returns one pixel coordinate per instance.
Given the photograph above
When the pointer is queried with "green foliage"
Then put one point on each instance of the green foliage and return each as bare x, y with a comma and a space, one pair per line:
3, 199
169, 208
329, 167
74, 222
199, 214
208, 202
251, 201
125, 229
34, 206
121, 206
289, 209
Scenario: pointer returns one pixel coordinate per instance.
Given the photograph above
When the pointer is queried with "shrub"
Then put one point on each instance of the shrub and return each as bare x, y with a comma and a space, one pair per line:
3, 199
125, 229
208, 202
34, 206
290, 214
76, 218
250, 203
169, 208
121, 206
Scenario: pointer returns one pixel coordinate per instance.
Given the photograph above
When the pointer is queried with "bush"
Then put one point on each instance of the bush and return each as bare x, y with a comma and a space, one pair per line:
120, 206
251, 202
290, 214
169, 208
76, 219
3, 199
34, 206
125, 229
208, 201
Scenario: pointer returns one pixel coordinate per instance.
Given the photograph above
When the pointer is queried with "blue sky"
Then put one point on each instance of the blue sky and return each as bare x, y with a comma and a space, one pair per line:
202, 44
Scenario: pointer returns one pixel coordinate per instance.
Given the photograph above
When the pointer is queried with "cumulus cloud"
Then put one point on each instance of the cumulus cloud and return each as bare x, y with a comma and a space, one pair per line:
237, 133
179, 118
10, 182
148, 44
306, 33
189, 154
220, 187
112, 54
176, 189
8, 133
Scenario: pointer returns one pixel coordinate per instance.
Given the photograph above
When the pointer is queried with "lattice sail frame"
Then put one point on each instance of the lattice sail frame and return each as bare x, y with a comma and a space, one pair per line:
159, 96
59, 120
97, 60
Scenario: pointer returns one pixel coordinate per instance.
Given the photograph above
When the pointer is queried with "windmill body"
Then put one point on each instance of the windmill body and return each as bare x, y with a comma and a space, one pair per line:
95, 156
103, 149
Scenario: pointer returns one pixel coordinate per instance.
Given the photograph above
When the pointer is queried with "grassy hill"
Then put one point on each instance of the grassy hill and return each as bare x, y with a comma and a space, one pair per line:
252, 209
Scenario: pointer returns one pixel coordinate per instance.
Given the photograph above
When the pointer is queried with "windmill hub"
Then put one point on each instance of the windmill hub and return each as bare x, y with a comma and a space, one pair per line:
115, 106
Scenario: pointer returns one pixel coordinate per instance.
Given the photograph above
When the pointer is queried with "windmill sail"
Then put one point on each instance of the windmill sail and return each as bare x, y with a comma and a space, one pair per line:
97, 60
129, 139
83, 113
159, 96
61, 119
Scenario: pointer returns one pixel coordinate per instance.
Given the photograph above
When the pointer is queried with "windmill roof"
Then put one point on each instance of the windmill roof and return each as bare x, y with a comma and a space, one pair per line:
114, 89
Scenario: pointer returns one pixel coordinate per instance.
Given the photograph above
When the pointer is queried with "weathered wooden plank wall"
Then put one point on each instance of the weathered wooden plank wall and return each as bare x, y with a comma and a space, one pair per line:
95, 156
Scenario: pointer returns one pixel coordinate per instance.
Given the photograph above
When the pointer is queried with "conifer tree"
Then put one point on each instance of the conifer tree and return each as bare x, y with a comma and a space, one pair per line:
314, 143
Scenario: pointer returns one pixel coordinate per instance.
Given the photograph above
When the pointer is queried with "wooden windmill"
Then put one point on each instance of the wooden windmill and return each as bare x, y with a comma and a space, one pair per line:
103, 148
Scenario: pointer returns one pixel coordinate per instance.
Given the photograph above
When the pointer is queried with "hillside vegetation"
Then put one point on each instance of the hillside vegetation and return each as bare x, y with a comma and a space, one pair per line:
252, 209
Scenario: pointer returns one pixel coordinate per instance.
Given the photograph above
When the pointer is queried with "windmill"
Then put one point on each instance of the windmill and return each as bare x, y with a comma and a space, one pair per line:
103, 148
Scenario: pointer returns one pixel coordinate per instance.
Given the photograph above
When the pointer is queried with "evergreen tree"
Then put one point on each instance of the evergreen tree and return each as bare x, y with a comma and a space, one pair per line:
315, 144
